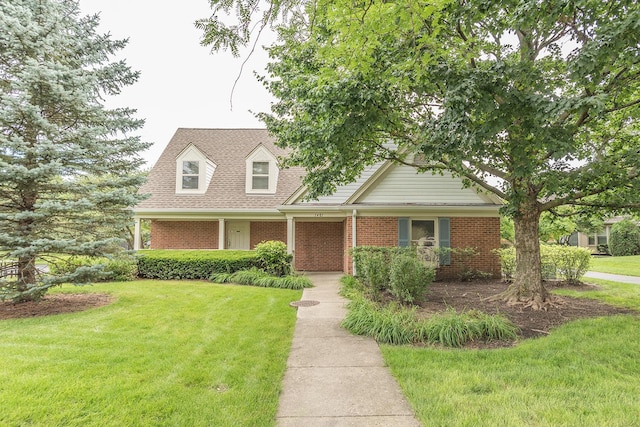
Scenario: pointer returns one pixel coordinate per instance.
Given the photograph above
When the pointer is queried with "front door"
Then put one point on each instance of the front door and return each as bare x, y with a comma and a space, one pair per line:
238, 234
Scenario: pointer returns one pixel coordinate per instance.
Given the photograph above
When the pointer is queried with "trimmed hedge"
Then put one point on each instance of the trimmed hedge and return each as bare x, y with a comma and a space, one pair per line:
119, 269
568, 263
192, 264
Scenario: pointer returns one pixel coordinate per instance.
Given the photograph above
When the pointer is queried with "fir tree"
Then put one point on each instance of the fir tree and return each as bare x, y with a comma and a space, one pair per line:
68, 164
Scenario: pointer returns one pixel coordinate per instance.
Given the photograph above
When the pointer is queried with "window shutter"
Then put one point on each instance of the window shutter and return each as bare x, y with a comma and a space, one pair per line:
444, 242
404, 234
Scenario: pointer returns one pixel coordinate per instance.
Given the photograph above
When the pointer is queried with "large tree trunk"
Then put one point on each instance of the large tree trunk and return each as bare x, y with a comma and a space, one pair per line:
527, 287
27, 280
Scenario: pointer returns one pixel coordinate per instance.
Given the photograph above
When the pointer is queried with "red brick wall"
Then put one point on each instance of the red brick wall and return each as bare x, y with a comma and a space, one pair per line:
480, 233
372, 231
184, 234
319, 246
268, 230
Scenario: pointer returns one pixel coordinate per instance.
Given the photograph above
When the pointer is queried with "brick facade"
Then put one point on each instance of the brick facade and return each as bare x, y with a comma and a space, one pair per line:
184, 234
324, 246
319, 246
480, 233
265, 230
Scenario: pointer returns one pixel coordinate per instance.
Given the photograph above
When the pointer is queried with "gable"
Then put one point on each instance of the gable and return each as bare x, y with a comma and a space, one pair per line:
402, 184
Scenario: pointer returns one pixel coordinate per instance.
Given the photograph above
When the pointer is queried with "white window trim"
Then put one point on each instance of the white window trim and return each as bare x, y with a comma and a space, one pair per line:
436, 234
261, 154
205, 170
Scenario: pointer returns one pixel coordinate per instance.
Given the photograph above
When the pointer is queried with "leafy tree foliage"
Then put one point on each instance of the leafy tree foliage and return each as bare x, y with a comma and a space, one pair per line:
625, 238
541, 98
67, 164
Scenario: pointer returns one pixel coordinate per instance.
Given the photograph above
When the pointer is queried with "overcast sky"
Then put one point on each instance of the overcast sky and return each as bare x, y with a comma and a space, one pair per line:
182, 83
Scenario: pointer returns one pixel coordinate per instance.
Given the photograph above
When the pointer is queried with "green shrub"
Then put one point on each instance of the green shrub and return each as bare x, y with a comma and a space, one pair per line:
373, 266
557, 261
409, 278
361, 254
571, 262
192, 264
375, 273
273, 257
122, 268
507, 262
624, 239
260, 278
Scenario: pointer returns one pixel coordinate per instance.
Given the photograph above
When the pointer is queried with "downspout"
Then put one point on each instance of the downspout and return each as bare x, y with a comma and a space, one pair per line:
354, 240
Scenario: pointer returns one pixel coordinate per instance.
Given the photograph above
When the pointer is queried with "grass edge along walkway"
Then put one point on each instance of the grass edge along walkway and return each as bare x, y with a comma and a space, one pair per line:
584, 373
165, 353
623, 265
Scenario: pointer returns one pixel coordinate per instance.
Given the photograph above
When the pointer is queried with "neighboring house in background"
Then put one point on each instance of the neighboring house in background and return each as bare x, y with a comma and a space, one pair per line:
597, 242
224, 189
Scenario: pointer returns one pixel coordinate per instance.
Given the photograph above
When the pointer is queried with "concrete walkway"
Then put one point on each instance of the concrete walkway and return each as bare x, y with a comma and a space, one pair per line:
613, 277
333, 378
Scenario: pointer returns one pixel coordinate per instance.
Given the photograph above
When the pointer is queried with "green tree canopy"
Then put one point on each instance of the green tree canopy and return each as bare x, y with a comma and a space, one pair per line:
68, 165
536, 102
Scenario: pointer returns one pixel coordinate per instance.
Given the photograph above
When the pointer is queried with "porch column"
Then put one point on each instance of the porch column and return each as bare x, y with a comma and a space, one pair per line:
354, 239
221, 234
137, 238
291, 236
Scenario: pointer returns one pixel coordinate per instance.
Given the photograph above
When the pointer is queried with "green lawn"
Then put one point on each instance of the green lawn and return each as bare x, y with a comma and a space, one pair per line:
625, 265
166, 353
584, 373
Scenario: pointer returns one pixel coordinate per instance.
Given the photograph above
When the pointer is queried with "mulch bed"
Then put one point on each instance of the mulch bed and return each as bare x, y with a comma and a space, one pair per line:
53, 304
472, 295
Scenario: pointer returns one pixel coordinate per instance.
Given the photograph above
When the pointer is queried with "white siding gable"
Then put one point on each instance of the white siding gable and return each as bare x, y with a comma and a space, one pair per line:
403, 185
344, 192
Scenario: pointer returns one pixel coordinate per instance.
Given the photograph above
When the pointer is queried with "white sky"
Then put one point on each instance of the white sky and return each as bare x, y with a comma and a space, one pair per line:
182, 84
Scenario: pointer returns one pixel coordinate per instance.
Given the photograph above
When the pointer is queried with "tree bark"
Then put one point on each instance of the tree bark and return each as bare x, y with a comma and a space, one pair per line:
527, 288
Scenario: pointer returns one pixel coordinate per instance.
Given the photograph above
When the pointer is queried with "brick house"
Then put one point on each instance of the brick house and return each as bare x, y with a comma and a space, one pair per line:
223, 189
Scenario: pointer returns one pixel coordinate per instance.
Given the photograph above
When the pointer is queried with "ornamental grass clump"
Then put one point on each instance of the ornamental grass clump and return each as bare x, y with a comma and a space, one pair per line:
390, 324
453, 329
257, 277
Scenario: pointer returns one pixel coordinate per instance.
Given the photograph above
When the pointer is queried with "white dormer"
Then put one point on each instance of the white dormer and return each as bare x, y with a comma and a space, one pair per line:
261, 172
193, 171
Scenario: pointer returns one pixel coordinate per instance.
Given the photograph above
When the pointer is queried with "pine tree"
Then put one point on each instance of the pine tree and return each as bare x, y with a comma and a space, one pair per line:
67, 163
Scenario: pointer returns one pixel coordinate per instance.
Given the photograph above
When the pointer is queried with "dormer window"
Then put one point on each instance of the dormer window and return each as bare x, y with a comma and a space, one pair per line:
262, 172
193, 171
260, 179
190, 174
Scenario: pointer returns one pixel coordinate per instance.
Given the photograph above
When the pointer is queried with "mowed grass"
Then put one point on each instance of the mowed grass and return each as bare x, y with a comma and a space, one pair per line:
625, 265
166, 353
584, 373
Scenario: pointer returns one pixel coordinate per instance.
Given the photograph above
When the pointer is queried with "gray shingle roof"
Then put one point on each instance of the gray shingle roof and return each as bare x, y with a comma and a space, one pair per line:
228, 149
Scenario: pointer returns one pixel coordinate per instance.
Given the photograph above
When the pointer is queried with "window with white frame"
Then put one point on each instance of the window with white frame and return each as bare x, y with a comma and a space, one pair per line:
190, 174
426, 235
262, 172
260, 178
